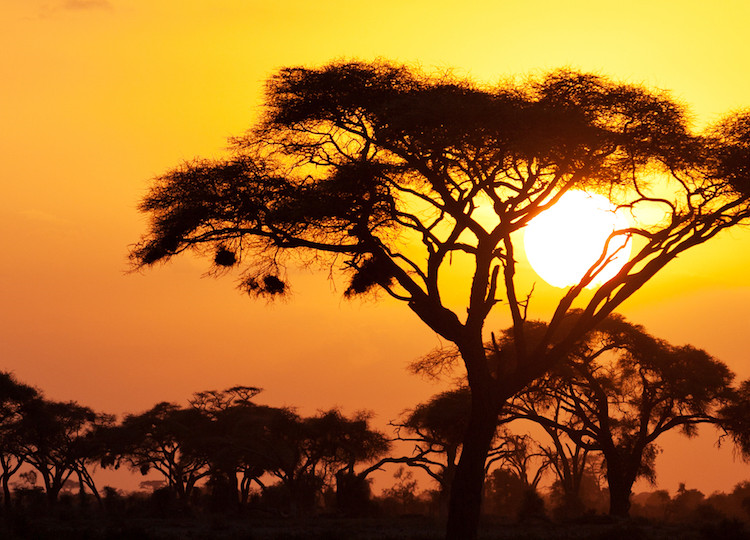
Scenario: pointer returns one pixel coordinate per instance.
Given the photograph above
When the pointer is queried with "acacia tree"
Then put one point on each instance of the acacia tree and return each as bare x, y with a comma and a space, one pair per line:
571, 463
343, 444
619, 391
14, 396
379, 170
57, 439
157, 440
213, 402
307, 453
230, 414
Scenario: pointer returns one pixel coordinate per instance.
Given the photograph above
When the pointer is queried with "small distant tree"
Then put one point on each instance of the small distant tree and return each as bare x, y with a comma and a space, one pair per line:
380, 170
246, 442
522, 455
735, 504
685, 503
342, 442
347, 443
57, 439
655, 505
504, 493
213, 402
579, 475
568, 460
402, 496
306, 453
156, 440
230, 414
512, 488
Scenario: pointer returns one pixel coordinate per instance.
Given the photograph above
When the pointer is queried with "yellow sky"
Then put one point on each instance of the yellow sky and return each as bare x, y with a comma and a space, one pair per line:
99, 96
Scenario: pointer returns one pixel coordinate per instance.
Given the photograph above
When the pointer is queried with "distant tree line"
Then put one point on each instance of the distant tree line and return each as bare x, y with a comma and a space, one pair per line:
221, 439
598, 415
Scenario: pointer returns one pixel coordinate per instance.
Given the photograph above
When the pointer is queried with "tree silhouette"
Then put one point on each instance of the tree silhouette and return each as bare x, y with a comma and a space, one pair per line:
213, 402
345, 443
57, 439
307, 453
619, 391
14, 396
522, 455
572, 464
504, 493
229, 436
157, 440
512, 487
578, 490
734, 418
225, 441
379, 170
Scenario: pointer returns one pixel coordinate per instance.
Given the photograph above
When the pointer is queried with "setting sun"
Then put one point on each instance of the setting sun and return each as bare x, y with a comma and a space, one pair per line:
564, 242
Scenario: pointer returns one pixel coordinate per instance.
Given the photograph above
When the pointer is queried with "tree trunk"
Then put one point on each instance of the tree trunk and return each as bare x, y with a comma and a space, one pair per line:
619, 502
620, 483
6, 491
446, 487
81, 491
466, 494
52, 495
52, 487
235, 487
244, 489
85, 479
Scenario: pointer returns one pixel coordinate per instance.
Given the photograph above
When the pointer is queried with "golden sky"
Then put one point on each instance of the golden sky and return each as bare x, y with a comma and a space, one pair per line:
99, 96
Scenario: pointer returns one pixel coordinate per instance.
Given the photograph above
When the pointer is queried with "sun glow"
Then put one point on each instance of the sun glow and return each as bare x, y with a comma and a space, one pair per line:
565, 241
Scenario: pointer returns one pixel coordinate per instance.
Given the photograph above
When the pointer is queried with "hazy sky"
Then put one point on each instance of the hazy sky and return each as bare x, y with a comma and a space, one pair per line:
99, 96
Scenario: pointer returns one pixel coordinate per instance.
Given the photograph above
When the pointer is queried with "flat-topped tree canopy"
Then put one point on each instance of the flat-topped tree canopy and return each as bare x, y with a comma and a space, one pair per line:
350, 157
379, 169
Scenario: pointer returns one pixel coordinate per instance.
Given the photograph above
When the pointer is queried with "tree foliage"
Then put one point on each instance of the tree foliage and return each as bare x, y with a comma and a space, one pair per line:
352, 157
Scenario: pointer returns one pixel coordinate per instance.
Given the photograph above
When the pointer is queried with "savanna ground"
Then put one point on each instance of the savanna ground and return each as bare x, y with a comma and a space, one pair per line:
24, 526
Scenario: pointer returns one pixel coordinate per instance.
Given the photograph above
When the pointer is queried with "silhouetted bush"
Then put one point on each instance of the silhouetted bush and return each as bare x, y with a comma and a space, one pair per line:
163, 503
30, 499
532, 506
353, 495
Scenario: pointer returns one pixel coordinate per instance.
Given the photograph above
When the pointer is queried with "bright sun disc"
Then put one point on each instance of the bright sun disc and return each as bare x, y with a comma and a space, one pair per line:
563, 242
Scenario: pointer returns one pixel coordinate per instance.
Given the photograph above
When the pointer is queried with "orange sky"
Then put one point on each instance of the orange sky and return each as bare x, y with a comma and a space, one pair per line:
99, 96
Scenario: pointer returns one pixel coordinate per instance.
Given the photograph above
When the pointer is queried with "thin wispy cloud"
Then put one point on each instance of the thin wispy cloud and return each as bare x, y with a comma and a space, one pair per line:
52, 10
81, 5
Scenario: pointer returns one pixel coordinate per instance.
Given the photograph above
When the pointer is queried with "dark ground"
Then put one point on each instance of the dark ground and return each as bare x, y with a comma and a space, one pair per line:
26, 527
